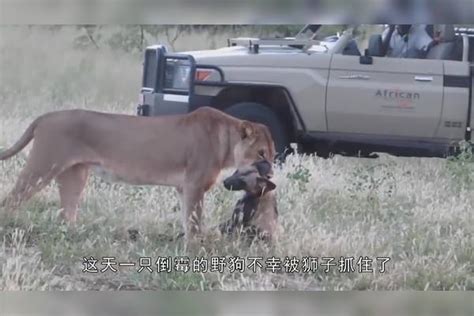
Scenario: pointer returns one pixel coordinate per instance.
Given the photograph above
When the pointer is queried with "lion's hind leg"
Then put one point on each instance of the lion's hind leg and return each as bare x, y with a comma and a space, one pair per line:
31, 180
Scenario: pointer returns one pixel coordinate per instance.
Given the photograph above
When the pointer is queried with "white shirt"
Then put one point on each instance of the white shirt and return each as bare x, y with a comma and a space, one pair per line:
411, 45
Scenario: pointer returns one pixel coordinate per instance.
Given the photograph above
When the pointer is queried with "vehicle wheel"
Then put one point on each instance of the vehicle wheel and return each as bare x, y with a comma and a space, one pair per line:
258, 113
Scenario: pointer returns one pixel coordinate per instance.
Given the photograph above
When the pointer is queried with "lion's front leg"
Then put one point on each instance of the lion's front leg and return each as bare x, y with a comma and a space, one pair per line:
192, 200
196, 185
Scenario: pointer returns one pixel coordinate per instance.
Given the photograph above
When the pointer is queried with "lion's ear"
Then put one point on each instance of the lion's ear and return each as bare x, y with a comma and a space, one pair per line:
246, 130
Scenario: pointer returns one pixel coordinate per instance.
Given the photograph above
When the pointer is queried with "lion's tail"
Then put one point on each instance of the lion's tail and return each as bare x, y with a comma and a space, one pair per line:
21, 143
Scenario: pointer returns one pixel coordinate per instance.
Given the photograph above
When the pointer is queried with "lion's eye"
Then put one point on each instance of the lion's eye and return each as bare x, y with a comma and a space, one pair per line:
261, 153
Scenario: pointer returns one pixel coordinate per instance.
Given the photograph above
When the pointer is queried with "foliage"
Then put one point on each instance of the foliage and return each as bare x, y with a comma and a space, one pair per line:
132, 38
373, 180
461, 166
301, 175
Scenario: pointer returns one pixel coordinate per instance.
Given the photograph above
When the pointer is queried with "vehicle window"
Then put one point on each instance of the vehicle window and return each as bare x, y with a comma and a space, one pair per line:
324, 33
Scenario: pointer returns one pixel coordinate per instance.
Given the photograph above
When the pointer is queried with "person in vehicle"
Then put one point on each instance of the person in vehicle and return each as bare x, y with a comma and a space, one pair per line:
406, 41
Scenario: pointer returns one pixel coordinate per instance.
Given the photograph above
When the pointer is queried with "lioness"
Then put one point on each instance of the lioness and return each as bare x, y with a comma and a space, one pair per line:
184, 151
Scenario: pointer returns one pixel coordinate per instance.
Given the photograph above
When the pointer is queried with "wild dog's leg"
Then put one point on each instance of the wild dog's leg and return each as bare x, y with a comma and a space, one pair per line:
71, 183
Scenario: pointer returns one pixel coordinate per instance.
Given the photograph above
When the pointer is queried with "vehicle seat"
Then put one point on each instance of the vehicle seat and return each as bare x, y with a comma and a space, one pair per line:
444, 49
375, 45
430, 30
351, 49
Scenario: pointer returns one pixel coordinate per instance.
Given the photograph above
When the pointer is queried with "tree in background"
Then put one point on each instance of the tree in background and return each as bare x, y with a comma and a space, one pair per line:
134, 38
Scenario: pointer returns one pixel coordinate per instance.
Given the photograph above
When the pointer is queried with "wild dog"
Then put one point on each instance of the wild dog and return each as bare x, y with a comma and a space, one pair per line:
255, 214
184, 151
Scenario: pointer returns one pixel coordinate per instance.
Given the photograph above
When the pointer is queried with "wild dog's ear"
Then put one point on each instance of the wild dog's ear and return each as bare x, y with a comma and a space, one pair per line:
246, 129
266, 184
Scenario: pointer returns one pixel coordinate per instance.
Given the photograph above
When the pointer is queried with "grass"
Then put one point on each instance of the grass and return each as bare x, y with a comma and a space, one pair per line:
418, 212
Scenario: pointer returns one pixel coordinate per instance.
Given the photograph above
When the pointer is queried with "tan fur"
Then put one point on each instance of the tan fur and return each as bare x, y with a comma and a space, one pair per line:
185, 151
266, 216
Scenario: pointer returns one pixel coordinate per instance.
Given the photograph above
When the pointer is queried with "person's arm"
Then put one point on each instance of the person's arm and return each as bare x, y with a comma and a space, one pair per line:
423, 41
386, 39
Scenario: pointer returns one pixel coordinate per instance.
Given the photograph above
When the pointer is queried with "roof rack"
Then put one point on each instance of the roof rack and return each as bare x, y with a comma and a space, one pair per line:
253, 44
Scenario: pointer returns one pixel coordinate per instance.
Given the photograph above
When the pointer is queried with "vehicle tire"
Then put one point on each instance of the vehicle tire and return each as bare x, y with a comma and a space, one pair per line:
258, 113
321, 150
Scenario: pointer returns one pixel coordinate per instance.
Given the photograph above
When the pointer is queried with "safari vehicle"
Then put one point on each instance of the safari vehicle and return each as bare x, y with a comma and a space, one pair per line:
323, 94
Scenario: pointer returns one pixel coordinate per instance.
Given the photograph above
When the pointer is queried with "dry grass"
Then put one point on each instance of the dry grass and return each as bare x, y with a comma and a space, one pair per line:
418, 212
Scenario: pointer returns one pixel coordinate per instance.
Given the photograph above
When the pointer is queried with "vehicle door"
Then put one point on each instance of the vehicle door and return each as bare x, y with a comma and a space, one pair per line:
390, 96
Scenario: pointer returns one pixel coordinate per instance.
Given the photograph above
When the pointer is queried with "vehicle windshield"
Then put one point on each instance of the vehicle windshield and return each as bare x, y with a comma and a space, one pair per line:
320, 32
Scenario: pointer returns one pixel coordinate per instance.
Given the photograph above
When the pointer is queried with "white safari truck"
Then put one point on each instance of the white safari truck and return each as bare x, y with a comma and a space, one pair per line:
323, 94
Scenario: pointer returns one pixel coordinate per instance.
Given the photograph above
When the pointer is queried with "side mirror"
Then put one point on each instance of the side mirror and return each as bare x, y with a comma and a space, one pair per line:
366, 59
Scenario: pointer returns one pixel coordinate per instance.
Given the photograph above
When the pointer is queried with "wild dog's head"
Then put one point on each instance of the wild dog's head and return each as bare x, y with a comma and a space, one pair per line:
254, 179
255, 143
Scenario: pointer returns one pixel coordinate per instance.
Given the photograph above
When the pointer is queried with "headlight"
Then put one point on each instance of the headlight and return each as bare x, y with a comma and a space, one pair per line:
177, 74
208, 74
